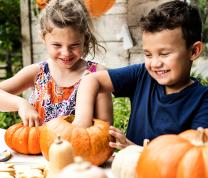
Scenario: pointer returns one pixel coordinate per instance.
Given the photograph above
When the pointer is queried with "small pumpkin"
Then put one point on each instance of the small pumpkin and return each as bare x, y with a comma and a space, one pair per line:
41, 3
125, 161
175, 156
91, 143
23, 139
60, 155
82, 169
98, 7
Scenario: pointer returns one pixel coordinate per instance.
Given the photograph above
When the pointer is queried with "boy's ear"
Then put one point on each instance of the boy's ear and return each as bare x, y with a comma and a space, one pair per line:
196, 50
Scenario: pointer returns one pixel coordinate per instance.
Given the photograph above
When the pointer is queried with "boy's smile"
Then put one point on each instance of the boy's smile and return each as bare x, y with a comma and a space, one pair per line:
167, 59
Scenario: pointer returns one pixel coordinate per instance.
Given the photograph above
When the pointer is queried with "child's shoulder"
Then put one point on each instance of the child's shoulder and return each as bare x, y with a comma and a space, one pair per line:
94, 66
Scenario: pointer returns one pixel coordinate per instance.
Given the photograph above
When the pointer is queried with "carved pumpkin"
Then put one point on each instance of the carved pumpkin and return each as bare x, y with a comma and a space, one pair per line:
175, 156
23, 139
91, 143
41, 3
82, 169
98, 7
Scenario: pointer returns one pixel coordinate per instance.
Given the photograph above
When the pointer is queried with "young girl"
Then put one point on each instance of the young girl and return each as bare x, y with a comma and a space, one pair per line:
66, 33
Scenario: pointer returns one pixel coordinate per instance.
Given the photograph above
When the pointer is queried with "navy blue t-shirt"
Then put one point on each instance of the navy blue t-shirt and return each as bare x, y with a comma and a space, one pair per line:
154, 113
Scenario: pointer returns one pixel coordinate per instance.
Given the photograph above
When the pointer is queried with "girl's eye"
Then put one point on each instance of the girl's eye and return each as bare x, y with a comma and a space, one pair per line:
75, 46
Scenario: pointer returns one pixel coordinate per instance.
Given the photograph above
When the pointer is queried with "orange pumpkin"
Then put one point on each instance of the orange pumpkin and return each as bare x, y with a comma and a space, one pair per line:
176, 156
23, 139
41, 3
91, 143
98, 7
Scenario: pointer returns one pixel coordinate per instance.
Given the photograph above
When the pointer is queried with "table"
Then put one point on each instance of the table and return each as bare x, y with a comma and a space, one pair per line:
17, 157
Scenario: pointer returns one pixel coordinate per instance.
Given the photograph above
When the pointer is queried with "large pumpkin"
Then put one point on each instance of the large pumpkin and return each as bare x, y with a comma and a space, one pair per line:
23, 139
91, 143
98, 7
176, 156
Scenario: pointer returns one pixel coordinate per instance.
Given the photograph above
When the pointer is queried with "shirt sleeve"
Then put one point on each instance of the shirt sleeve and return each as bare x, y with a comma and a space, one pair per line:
124, 79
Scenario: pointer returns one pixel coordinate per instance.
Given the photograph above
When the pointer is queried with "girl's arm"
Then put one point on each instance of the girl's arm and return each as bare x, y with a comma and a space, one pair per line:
10, 88
89, 88
103, 103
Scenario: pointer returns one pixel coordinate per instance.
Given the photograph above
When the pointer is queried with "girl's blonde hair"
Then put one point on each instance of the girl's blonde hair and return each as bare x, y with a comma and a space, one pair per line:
69, 13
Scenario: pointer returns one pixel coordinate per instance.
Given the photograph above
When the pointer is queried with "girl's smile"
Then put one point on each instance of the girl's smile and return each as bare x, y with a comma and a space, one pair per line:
66, 50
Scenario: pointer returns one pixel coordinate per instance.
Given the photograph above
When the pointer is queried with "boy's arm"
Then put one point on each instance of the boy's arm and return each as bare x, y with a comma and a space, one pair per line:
89, 88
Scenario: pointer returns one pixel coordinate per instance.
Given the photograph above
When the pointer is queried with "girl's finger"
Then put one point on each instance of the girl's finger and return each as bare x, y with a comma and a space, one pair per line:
37, 122
25, 122
31, 122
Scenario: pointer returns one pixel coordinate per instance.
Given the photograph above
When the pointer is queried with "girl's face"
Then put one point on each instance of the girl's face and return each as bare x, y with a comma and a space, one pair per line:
167, 58
65, 46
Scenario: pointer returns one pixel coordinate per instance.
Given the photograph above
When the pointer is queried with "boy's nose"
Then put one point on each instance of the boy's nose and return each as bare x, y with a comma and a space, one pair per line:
155, 62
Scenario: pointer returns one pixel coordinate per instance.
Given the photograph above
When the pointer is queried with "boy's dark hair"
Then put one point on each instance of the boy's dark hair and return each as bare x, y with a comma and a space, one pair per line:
171, 15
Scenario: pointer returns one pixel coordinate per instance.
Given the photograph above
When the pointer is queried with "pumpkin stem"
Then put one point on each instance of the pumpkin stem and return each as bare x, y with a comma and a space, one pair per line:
202, 135
82, 165
58, 140
145, 142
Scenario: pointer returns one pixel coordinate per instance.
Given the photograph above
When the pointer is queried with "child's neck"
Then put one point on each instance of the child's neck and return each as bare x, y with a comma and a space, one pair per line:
177, 88
67, 77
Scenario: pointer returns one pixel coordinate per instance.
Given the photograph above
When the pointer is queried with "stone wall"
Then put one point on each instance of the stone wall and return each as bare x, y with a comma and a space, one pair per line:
109, 29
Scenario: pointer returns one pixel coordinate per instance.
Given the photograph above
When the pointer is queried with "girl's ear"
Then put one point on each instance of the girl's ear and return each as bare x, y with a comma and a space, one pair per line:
42, 37
196, 50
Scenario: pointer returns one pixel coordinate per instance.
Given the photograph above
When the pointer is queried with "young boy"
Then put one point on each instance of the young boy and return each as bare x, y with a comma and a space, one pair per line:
164, 98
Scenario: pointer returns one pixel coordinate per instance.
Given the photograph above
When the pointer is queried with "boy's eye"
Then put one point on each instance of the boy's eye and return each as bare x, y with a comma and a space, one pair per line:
164, 54
56, 45
147, 55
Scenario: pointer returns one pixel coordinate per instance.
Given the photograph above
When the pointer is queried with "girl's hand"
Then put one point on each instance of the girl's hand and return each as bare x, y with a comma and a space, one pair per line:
121, 140
28, 114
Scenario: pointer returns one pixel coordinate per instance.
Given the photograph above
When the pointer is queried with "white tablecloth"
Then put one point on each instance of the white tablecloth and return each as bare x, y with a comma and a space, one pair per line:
17, 157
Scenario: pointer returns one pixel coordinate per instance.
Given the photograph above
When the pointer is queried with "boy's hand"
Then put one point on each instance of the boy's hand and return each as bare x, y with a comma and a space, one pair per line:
121, 140
28, 114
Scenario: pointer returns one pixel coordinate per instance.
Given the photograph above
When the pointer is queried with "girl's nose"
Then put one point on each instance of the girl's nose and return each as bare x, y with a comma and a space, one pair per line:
66, 51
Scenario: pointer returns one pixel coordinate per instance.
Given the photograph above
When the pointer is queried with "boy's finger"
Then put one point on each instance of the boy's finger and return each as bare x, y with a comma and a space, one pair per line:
115, 129
117, 145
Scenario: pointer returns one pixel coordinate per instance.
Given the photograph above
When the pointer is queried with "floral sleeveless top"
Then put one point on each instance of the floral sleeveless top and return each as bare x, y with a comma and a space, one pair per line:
50, 100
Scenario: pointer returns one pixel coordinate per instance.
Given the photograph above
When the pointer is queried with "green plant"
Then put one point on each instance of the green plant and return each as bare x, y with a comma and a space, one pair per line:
121, 112
203, 7
8, 118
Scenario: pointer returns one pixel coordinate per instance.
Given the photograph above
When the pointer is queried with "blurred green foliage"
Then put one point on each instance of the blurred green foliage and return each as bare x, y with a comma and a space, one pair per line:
10, 47
8, 118
121, 112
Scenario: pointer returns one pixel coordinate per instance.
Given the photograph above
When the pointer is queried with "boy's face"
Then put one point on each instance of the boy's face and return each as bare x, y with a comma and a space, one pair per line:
167, 58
